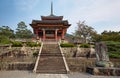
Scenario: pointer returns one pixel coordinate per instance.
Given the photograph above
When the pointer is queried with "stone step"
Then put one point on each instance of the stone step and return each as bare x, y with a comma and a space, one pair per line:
51, 63
50, 68
52, 72
51, 60
55, 55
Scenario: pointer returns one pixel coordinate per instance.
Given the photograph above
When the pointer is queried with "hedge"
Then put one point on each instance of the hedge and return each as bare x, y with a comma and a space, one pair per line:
113, 49
35, 54
67, 45
16, 44
33, 44
4, 40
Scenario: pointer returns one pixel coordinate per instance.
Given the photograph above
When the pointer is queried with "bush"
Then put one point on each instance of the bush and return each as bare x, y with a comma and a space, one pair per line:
35, 54
67, 45
113, 49
4, 40
33, 44
113, 55
85, 46
16, 44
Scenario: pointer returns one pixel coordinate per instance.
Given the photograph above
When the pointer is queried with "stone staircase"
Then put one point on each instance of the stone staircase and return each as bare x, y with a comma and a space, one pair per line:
51, 60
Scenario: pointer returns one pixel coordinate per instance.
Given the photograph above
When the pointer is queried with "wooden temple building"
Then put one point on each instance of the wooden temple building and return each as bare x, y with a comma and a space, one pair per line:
50, 27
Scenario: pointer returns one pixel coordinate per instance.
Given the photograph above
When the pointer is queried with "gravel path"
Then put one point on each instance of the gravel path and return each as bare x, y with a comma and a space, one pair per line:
28, 74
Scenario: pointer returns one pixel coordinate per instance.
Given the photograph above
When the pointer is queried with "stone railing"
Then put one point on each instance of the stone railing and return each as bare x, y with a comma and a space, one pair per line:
66, 65
36, 64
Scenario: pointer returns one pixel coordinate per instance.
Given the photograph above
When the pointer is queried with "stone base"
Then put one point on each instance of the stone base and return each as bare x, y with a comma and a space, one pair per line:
112, 71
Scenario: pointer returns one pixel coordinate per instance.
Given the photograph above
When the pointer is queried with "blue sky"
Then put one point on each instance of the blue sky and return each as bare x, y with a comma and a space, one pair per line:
100, 14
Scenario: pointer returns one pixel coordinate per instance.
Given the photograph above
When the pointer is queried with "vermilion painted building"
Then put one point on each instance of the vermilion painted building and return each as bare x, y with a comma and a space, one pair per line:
50, 27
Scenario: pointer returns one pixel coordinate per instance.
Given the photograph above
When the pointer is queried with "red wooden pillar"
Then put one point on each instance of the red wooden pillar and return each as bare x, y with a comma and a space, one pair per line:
36, 34
56, 34
44, 34
63, 33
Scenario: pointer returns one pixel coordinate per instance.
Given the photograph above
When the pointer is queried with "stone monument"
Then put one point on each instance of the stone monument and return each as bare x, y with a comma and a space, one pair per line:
102, 59
103, 66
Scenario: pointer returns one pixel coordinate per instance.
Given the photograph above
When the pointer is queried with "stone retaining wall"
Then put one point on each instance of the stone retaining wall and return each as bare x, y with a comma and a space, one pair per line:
81, 52
79, 64
17, 66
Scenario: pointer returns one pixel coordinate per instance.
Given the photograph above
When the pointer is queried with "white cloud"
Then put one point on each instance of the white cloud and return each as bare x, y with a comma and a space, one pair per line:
94, 12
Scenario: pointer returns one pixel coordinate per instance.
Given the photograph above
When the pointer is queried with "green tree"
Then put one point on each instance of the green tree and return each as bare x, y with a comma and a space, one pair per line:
6, 31
110, 36
84, 31
5, 34
22, 31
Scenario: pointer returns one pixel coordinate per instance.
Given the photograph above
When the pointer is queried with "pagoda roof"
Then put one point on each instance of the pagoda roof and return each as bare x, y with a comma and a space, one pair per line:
52, 17
64, 22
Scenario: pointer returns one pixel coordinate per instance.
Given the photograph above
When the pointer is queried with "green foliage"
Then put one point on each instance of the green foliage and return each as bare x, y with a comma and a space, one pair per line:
35, 54
67, 45
84, 31
4, 40
112, 43
107, 36
22, 31
114, 54
110, 36
5, 34
85, 45
33, 44
6, 31
19, 44
21, 26
113, 49
16, 44
97, 38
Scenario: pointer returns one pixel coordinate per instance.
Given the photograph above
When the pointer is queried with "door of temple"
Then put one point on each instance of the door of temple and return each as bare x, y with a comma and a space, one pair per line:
50, 34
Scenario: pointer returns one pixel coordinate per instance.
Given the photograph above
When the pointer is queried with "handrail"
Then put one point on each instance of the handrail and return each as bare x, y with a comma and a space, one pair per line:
66, 65
36, 64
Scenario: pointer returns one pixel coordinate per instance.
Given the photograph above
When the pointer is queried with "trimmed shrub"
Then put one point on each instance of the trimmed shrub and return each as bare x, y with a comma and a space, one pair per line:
114, 55
85, 46
113, 49
32, 44
67, 45
16, 44
4, 40
35, 54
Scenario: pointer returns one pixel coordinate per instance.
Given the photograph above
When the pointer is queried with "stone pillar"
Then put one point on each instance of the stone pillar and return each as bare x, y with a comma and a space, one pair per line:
56, 34
44, 34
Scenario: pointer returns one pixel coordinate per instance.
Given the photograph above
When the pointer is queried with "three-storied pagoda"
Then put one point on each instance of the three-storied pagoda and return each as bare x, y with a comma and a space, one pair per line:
50, 27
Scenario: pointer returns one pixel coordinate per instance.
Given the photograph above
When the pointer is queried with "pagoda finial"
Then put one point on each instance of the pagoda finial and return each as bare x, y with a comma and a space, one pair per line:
51, 8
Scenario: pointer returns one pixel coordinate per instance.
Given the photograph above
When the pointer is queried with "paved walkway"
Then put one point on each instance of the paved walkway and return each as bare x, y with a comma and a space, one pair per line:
27, 74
